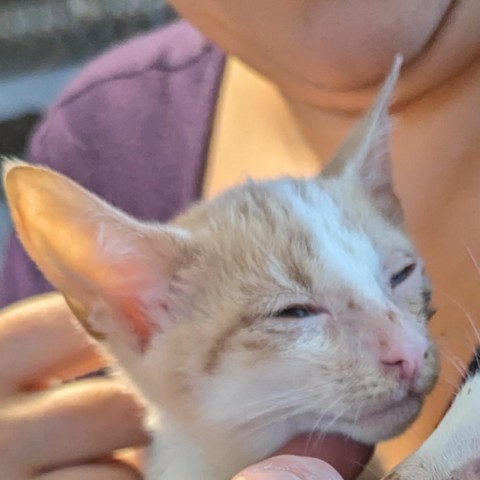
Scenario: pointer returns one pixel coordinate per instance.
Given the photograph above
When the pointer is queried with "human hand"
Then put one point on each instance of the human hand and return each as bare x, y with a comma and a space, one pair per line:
68, 432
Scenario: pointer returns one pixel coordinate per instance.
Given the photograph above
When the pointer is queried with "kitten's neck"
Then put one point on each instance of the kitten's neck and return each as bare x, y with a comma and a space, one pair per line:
204, 454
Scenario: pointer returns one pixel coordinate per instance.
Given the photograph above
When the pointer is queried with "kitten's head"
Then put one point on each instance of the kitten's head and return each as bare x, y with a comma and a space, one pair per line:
276, 301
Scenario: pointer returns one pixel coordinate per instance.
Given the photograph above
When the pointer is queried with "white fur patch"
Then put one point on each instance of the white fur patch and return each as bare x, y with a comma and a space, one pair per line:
453, 445
347, 255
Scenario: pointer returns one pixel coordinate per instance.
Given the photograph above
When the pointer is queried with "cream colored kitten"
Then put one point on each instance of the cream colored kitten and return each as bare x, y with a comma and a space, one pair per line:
278, 308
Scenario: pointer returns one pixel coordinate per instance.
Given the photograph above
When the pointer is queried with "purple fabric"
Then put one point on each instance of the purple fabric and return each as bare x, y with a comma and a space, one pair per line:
134, 128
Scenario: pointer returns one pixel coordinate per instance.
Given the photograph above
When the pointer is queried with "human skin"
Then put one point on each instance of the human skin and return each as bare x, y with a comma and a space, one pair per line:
57, 434
331, 53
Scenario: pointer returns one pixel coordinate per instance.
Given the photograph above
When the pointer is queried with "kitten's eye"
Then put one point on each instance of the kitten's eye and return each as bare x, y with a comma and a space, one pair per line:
402, 275
295, 312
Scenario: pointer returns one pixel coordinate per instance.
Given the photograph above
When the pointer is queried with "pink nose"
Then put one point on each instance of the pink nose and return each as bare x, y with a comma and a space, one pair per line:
406, 368
405, 357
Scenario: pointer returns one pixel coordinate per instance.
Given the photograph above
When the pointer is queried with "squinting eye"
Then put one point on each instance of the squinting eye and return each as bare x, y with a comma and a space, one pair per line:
402, 275
294, 312
298, 312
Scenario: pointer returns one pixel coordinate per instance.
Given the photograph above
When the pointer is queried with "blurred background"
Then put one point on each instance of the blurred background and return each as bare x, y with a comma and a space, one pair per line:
43, 44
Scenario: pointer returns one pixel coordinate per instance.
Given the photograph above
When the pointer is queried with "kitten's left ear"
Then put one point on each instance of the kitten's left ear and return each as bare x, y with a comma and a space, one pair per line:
114, 271
365, 156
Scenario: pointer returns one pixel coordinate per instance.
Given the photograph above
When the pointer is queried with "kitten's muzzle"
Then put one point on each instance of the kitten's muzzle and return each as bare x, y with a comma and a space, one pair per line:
403, 356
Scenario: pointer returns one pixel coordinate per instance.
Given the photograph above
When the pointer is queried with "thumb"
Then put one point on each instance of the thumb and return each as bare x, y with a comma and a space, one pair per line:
290, 467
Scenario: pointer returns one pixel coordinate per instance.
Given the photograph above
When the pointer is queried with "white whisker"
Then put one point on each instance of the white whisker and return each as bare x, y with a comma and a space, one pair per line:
328, 411
327, 429
367, 468
453, 359
472, 257
467, 315
273, 404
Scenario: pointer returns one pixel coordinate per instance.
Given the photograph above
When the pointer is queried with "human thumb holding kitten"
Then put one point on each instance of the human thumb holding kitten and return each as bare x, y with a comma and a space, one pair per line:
341, 459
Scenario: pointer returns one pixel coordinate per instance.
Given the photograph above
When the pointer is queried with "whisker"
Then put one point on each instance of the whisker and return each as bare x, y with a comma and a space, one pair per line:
327, 429
321, 418
254, 429
271, 407
453, 359
280, 396
450, 384
472, 257
355, 420
467, 315
367, 468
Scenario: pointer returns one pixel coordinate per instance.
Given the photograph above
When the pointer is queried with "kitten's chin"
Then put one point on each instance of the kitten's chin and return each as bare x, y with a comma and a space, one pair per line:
387, 422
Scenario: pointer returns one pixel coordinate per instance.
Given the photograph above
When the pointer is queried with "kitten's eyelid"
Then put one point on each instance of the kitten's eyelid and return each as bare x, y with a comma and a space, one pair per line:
402, 274
300, 311
397, 260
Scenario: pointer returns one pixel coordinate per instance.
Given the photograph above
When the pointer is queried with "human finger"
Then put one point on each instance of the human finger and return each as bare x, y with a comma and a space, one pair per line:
57, 347
135, 458
83, 421
290, 467
111, 471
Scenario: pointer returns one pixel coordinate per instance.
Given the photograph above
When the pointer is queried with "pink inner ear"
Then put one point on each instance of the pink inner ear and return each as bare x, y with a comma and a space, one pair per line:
143, 328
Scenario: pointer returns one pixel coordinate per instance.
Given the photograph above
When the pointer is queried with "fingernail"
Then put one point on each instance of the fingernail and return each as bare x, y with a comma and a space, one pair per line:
268, 474
287, 467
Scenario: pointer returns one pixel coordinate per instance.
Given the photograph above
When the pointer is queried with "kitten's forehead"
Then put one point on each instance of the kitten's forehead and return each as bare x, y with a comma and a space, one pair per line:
294, 232
347, 254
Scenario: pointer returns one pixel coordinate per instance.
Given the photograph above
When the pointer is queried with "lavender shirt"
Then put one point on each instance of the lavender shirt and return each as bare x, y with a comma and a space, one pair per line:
134, 128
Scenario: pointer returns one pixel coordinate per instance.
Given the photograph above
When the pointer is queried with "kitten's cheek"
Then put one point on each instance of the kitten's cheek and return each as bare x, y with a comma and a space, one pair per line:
345, 455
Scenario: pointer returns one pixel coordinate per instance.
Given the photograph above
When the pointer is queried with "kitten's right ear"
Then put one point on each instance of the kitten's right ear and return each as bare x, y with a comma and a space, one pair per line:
365, 157
114, 271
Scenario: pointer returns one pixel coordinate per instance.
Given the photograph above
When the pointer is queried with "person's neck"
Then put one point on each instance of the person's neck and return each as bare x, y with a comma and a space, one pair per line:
325, 114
